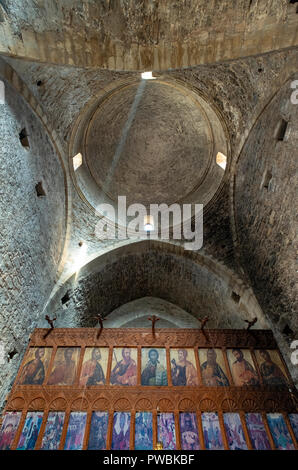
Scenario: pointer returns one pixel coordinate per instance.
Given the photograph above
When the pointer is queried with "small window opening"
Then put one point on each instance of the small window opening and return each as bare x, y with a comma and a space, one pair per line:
287, 331
39, 83
24, 138
65, 298
11, 354
221, 160
2, 92
77, 161
147, 76
148, 223
267, 179
281, 130
235, 297
39, 189
260, 70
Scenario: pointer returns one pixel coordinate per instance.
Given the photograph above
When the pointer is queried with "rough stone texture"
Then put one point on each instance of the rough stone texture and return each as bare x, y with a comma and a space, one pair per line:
198, 285
266, 216
174, 161
168, 162
32, 228
65, 91
239, 90
150, 34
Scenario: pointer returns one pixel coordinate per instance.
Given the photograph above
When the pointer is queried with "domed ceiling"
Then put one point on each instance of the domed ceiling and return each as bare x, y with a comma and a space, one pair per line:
152, 141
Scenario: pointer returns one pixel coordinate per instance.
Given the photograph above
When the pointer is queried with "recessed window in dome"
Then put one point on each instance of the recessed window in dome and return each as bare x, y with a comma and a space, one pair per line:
147, 76
221, 160
148, 223
77, 161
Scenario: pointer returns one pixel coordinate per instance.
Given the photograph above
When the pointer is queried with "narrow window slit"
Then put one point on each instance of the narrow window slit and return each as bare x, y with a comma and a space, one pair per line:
39, 189
11, 354
235, 297
287, 331
281, 130
65, 298
24, 138
267, 179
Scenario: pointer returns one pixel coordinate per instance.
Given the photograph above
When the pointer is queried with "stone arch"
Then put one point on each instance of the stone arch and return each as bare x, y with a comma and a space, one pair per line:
113, 38
194, 282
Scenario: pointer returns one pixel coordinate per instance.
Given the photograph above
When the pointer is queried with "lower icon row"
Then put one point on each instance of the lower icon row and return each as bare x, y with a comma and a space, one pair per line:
194, 434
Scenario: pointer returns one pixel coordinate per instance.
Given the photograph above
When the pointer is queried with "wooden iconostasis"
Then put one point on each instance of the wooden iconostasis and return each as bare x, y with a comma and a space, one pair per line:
130, 389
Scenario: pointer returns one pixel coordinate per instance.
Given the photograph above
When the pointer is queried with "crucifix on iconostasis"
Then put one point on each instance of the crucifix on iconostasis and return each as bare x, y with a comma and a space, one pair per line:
203, 322
154, 319
51, 323
99, 320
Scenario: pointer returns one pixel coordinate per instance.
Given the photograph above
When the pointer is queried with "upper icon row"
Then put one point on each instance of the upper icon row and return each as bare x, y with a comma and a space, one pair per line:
216, 368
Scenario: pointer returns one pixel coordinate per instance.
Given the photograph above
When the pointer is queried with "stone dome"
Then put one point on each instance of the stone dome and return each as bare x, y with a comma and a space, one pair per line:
152, 141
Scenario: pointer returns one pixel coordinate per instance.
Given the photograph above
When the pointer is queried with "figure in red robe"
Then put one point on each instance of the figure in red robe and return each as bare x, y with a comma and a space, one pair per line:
65, 371
125, 371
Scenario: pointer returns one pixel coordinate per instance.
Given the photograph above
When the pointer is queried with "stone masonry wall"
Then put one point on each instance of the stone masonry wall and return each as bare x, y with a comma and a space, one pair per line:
266, 210
32, 228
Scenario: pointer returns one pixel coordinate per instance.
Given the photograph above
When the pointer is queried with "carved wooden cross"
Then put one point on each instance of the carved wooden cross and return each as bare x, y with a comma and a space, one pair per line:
203, 322
154, 319
100, 320
251, 323
51, 323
